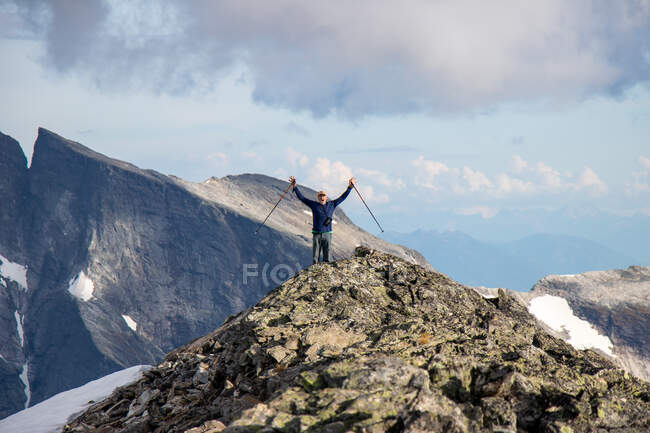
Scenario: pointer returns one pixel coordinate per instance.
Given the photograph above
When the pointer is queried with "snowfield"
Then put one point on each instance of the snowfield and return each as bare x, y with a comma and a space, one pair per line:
13, 271
556, 313
130, 322
81, 287
51, 415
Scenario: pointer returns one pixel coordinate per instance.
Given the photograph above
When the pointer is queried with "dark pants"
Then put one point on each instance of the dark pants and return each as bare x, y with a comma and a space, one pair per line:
322, 242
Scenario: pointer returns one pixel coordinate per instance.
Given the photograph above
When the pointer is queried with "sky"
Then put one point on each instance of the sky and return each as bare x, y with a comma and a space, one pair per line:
466, 107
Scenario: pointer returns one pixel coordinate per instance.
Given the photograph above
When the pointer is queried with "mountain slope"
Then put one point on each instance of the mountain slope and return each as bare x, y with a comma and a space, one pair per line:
375, 344
122, 264
616, 303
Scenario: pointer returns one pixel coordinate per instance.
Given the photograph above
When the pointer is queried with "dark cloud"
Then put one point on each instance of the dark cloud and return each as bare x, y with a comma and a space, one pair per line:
356, 58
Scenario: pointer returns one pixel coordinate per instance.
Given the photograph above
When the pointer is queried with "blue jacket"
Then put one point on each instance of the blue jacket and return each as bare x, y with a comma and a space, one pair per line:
321, 212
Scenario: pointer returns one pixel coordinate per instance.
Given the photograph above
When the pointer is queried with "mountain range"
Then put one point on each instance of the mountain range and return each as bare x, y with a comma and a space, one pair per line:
104, 265
516, 265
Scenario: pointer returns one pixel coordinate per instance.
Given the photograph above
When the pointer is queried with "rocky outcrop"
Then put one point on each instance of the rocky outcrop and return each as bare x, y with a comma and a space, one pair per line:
377, 344
123, 264
616, 302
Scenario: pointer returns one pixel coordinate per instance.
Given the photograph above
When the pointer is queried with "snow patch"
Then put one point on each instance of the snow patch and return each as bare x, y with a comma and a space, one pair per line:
556, 313
13, 271
19, 327
2, 282
24, 377
308, 212
130, 322
81, 287
51, 415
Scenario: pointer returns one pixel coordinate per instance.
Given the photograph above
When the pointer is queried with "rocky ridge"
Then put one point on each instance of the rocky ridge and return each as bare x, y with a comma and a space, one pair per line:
376, 344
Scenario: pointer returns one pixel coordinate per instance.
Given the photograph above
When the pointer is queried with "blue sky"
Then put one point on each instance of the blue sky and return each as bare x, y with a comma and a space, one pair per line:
465, 107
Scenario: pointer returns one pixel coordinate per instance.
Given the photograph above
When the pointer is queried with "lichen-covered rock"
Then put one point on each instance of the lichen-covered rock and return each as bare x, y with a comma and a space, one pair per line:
375, 344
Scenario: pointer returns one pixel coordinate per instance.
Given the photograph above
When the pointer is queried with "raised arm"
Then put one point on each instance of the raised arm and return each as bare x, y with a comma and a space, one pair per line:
343, 196
301, 197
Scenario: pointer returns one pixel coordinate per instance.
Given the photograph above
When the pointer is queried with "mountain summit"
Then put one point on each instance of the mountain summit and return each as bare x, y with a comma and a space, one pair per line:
376, 344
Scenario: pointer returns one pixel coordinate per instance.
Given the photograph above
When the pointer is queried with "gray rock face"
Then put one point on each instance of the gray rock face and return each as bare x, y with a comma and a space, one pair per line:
376, 344
154, 261
617, 303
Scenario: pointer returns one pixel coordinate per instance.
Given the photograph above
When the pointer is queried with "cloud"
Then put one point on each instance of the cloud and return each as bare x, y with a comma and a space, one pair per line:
372, 196
329, 175
508, 185
296, 158
551, 179
428, 171
519, 164
476, 180
382, 178
530, 179
353, 58
590, 180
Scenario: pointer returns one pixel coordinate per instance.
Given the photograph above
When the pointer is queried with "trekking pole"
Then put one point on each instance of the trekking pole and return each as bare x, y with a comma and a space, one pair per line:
276, 205
364, 202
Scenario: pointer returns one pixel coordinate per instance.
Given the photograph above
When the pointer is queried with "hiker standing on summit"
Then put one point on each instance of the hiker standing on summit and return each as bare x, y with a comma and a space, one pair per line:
322, 212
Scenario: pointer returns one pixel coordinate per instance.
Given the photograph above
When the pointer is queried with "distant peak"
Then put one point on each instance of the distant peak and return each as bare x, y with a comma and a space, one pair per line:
53, 149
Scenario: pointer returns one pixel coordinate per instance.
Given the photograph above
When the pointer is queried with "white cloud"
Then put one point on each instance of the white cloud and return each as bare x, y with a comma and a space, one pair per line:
507, 185
296, 158
428, 171
382, 178
519, 164
364, 57
329, 175
370, 195
590, 180
476, 180
532, 179
551, 178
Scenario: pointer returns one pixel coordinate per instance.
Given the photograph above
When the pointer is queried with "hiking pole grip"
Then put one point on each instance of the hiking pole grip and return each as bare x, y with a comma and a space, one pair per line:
276, 205
364, 202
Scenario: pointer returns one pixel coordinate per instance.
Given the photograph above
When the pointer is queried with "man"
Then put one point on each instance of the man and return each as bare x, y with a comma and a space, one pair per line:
322, 212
